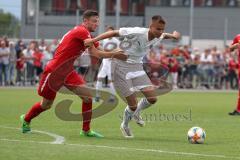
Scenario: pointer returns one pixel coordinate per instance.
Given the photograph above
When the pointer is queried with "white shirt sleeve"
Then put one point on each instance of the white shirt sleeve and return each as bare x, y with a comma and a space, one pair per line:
131, 30
25, 52
209, 58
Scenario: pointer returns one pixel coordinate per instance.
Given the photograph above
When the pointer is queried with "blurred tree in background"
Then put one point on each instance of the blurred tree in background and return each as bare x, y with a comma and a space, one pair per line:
9, 25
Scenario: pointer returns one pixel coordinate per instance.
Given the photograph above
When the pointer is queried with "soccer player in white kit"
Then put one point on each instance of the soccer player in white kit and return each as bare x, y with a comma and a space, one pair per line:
129, 75
108, 44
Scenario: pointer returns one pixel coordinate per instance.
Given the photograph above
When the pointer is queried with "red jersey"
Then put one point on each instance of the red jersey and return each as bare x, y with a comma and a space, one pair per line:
69, 49
173, 65
237, 40
232, 65
38, 56
20, 64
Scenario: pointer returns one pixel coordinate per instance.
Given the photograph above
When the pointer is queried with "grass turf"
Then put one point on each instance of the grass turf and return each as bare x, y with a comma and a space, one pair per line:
163, 137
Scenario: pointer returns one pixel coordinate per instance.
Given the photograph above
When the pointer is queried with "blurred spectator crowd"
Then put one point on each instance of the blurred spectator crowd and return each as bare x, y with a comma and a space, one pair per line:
21, 64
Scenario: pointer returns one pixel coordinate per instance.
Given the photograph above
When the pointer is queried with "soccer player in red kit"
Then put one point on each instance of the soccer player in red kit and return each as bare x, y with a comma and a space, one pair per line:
236, 45
60, 72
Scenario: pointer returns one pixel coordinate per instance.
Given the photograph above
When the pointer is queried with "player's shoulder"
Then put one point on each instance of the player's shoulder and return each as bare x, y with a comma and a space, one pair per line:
80, 29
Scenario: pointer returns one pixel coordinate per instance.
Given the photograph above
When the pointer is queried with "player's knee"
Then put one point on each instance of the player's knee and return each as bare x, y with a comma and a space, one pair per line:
133, 108
46, 105
152, 100
132, 104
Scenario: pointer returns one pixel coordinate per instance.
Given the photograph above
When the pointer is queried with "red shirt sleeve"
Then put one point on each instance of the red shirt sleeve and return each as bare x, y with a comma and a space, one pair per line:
84, 34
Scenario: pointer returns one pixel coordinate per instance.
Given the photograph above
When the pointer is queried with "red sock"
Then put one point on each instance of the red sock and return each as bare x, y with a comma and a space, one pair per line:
33, 112
87, 115
238, 103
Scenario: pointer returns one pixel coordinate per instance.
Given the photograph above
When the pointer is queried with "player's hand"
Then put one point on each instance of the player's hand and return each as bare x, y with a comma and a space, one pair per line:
238, 44
120, 55
176, 35
88, 42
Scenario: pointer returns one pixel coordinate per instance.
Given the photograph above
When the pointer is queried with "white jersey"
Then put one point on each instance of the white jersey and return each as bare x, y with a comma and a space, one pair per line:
135, 43
109, 45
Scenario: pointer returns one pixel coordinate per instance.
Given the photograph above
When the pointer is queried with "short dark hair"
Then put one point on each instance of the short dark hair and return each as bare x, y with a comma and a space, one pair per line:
89, 13
158, 18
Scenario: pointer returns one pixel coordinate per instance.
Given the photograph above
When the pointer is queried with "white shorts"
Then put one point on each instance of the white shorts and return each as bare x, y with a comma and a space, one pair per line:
129, 77
105, 69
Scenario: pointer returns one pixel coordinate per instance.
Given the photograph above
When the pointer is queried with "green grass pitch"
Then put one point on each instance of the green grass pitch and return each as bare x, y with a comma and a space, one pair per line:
161, 138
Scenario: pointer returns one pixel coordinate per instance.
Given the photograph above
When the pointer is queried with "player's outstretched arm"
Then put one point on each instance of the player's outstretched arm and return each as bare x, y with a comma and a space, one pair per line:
109, 34
175, 35
118, 54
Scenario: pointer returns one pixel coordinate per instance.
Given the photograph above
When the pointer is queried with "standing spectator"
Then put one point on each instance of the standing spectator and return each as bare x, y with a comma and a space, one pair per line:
232, 72
173, 70
37, 62
19, 47
185, 54
218, 68
193, 67
53, 45
47, 56
12, 63
42, 45
20, 79
236, 45
182, 56
4, 62
205, 68
226, 54
214, 50
28, 54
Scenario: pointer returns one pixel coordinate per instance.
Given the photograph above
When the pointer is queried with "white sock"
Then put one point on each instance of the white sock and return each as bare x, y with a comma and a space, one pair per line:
142, 104
127, 115
98, 87
112, 89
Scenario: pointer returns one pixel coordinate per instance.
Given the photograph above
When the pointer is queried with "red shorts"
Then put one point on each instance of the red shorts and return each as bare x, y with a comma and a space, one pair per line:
48, 89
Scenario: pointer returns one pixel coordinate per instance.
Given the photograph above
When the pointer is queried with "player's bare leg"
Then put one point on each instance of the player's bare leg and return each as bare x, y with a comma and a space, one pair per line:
36, 109
127, 115
85, 94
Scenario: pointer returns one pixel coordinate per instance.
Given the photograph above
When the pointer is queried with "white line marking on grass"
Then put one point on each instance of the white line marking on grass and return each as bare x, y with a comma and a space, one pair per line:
58, 139
28, 141
130, 149
155, 150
